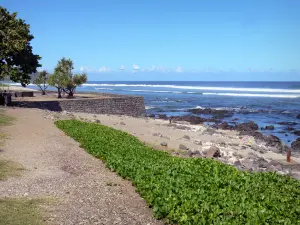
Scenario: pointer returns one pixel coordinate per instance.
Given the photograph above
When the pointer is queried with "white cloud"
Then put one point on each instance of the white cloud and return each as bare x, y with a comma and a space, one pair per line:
179, 69
103, 69
153, 68
84, 68
135, 67
122, 67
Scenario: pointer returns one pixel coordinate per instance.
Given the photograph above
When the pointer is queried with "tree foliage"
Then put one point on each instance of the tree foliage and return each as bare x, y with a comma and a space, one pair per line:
59, 78
64, 79
42, 81
17, 60
75, 81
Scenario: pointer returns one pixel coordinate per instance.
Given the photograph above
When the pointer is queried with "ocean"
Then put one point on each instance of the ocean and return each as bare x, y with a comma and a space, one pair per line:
266, 103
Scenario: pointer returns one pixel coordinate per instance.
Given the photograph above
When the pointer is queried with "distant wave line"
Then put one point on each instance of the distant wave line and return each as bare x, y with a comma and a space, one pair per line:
200, 88
254, 95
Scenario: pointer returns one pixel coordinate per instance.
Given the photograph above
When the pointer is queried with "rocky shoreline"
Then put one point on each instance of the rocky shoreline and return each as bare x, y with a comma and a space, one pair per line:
250, 128
243, 147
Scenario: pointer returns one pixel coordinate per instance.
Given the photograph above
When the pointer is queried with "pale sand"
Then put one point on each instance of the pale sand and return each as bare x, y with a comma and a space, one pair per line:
144, 128
16, 88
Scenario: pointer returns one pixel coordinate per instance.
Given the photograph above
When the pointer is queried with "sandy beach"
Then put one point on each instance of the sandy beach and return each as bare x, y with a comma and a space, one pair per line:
185, 140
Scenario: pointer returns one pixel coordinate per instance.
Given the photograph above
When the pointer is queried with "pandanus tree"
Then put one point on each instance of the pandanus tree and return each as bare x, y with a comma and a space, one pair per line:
64, 79
42, 81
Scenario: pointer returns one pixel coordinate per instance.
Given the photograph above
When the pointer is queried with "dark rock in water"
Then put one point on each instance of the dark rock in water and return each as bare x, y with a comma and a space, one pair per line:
297, 132
213, 152
243, 107
288, 123
192, 119
162, 116
286, 135
290, 129
235, 119
270, 127
251, 126
165, 144
296, 145
183, 147
298, 116
257, 135
215, 112
151, 115
273, 141
281, 132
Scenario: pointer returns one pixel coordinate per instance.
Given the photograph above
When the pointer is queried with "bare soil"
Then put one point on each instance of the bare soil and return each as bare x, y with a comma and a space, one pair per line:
85, 191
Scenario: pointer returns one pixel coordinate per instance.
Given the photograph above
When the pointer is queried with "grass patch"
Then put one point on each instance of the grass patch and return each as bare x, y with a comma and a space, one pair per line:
20, 212
5, 119
2, 138
4, 85
191, 190
9, 169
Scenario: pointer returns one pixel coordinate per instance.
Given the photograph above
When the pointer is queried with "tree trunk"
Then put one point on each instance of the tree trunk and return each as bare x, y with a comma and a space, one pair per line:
43, 92
71, 94
59, 93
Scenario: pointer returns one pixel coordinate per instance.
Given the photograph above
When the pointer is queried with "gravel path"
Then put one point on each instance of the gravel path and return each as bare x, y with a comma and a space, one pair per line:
86, 192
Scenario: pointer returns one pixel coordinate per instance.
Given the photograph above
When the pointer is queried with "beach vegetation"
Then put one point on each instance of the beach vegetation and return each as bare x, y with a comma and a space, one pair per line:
5, 119
42, 81
9, 169
64, 79
17, 61
20, 211
190, 190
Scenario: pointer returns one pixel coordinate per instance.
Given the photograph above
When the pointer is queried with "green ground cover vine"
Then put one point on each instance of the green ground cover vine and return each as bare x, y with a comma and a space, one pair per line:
191, 190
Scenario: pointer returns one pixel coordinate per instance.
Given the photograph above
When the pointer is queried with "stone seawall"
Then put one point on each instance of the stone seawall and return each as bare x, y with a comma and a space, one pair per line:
125, 105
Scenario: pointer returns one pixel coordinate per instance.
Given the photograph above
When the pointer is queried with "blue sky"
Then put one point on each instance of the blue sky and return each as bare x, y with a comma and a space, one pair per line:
168, 40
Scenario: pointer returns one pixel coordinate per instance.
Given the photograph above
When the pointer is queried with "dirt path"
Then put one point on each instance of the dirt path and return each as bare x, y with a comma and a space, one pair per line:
56, 167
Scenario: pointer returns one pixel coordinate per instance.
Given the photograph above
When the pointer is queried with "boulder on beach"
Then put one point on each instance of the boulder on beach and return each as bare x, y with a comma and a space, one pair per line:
257, 135
212, 152
183, 147
251, 126
162, 116
165, 144
273, 141
223, 126
190, 118
296, 145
